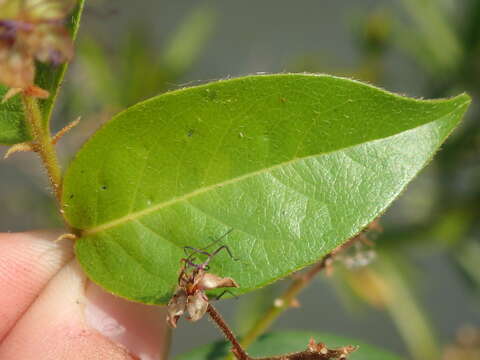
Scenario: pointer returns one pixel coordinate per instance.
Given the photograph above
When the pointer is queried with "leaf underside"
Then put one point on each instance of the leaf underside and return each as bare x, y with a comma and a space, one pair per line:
294, 164
284, 342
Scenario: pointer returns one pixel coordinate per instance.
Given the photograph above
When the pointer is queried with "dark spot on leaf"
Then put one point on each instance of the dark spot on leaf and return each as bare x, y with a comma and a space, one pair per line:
71, 196
190, 133
283, 100
104, 187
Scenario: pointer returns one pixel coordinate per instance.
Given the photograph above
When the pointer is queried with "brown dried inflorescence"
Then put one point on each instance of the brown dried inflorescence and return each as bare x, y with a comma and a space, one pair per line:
320, 349
190, 294
315, 351
32, 30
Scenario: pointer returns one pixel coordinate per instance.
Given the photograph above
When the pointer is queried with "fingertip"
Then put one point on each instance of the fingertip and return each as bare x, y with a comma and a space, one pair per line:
27, 263
54, 327
58, 314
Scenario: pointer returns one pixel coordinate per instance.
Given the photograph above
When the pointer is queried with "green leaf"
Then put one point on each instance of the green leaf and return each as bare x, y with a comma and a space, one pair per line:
294, 164
188, 40
49, 77
284, 342
12, 121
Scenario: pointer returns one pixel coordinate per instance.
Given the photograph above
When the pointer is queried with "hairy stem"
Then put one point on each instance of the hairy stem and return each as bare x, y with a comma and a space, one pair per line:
237, 348
43, 146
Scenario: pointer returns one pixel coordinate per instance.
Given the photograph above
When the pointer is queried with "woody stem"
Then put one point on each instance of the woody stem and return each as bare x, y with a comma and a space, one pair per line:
322, 353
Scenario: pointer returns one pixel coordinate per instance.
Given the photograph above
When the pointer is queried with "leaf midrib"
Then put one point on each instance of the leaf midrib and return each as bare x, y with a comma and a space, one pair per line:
135, 215
146, 211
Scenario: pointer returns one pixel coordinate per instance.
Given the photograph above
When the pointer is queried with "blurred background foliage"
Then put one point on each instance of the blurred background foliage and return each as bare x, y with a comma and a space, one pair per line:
420, 296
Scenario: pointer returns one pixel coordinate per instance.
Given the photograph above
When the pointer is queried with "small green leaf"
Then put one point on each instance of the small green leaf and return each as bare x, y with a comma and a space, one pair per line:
294, 164
49, 77
278, 343
12, 121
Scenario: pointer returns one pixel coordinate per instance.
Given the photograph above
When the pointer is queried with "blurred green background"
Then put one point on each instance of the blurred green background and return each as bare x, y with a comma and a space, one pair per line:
421, 296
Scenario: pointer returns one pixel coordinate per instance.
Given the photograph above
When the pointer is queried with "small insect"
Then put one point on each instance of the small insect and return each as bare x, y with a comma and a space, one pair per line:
193, 281
32, 30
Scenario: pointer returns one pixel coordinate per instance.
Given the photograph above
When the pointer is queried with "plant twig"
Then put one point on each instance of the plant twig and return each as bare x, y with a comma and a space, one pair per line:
314, 351
43, 145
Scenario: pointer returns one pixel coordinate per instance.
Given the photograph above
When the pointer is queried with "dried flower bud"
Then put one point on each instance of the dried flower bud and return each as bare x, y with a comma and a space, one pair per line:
197, 305
318, 348
29, 30
17, 69
193, 281
322, 349
46, 9
176, 307
211, 281
50, 43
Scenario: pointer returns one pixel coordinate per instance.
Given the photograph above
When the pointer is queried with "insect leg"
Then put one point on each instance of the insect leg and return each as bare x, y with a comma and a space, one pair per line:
228, 251
195, 250
225, 292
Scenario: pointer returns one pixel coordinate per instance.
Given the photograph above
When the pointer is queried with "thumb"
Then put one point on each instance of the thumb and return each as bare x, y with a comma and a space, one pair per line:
74, 319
